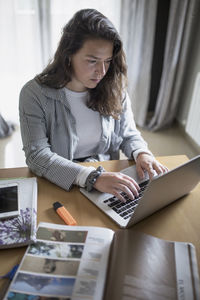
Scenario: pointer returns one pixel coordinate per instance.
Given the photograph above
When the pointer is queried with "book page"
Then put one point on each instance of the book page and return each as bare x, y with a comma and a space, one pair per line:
141, 267
66, 262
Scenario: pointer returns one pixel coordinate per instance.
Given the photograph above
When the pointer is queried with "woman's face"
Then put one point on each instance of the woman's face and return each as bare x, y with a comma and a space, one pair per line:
90, 64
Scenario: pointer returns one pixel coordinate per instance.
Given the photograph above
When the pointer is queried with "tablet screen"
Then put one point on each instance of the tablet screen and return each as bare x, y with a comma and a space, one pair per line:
8, 199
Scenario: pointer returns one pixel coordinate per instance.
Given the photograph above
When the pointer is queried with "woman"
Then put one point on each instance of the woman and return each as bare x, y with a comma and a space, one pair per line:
77, 109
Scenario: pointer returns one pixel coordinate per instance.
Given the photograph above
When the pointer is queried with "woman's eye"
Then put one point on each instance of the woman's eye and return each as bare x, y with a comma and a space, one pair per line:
107, 62
92, 61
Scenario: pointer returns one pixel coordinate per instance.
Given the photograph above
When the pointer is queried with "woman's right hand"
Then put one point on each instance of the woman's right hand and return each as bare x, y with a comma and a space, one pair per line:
115, 183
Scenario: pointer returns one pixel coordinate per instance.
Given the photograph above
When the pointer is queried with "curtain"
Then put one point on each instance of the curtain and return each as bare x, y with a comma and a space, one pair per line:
137, 30
20, 55
180, 32
44, 25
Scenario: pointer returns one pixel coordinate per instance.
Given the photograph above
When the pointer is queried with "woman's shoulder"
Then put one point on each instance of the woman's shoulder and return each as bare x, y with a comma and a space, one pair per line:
35, 89
31, 87
40, 93
32, 84
31, 95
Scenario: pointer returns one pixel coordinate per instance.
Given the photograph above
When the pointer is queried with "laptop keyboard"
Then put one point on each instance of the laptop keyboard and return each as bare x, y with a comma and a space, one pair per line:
126, 209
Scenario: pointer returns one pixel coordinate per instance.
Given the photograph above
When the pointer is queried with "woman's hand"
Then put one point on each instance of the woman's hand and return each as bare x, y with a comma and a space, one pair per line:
146, 162
114, 183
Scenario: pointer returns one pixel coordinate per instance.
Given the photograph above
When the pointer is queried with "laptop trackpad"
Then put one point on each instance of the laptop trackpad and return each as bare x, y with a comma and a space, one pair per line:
131, 171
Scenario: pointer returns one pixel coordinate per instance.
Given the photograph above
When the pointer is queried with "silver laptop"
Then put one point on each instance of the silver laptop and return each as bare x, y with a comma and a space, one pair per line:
155, 194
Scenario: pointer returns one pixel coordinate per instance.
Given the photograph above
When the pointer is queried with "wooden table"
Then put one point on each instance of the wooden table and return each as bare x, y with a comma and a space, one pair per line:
179, 221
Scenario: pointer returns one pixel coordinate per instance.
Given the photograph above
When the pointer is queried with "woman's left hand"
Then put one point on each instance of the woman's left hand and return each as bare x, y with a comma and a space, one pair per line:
148, 163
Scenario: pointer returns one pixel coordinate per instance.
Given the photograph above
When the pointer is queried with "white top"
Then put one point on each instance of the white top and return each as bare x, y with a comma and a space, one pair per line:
88, 134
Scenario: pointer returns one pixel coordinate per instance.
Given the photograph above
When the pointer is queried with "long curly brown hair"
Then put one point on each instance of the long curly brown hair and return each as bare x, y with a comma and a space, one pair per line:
106, 97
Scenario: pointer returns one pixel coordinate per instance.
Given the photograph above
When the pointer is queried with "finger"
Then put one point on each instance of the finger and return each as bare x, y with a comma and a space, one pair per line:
150, 171
118, 195
130, 179
164, 168
132, 185
127, 191
160, 168
127, 180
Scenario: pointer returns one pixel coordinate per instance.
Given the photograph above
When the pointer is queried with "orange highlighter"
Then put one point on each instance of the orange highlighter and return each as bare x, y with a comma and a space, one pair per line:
64, 214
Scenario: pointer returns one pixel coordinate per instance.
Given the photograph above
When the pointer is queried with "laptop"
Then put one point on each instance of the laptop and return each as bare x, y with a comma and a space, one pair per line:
154, 195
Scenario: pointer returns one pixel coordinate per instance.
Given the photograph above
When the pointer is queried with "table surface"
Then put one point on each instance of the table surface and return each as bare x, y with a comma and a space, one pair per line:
179, 221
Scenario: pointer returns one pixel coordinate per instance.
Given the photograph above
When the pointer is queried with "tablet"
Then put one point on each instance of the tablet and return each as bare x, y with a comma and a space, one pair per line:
9, 200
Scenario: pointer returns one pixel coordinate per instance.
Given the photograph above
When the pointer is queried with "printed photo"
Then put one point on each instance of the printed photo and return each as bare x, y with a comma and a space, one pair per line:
43, 285
69, 236
50, 266
56, 250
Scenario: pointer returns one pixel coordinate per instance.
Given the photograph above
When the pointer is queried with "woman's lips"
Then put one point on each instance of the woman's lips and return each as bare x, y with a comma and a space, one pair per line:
96, 80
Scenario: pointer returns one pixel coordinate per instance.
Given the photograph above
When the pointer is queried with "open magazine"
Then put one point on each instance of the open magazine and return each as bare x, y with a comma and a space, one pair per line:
73, 263
18, 229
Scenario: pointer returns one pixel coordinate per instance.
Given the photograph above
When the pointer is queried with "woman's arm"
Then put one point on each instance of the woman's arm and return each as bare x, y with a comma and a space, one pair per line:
132, 143
39, 156
134, 146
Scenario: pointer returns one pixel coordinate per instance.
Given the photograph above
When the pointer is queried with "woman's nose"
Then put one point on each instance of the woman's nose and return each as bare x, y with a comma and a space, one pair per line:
101, 70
